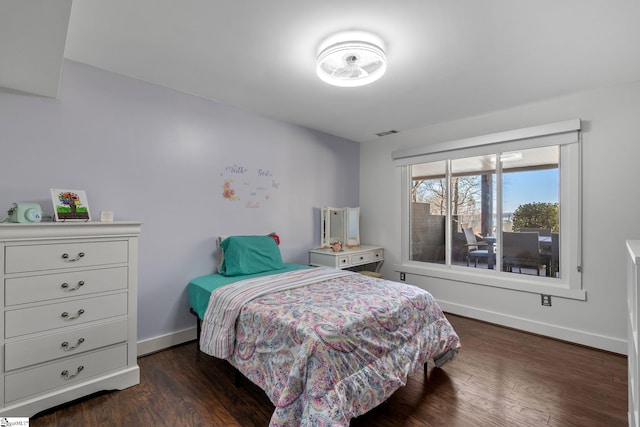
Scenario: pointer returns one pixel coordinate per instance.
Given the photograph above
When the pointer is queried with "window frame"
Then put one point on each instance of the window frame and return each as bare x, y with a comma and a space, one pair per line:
566, 135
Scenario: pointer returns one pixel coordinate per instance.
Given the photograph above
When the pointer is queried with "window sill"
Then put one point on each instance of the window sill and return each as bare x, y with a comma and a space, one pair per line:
496, 279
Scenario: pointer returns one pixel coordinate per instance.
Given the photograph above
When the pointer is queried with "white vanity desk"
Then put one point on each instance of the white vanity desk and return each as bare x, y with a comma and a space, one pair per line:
343, 225
348, 257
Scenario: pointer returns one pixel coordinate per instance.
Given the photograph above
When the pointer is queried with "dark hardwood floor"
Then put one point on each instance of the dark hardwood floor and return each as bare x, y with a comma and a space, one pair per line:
501, 377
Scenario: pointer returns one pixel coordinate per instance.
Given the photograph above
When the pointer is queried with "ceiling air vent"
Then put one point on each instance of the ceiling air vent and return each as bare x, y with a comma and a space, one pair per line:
387, 132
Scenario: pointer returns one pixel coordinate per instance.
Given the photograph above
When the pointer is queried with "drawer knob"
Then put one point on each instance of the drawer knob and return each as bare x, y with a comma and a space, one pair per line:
66, 315
66, 287
66, 347
65, 256
68, 376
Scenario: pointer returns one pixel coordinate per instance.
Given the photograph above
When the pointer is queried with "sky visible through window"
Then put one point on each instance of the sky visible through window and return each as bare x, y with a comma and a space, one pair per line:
529, 187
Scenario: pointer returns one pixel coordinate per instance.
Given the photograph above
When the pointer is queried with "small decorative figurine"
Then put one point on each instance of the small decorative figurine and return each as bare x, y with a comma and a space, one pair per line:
337, 246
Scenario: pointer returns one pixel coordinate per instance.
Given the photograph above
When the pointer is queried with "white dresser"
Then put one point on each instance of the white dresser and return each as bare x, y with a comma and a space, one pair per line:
69, 312
347, 258
633, 300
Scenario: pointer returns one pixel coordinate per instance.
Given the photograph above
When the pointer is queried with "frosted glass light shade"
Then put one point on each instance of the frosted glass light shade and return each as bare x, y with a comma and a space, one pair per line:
351, 63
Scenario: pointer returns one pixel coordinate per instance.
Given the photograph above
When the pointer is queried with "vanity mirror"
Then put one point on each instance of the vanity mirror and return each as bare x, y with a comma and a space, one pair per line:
340, 225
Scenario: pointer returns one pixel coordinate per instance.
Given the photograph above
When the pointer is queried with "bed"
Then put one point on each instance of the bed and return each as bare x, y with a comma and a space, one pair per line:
325, 345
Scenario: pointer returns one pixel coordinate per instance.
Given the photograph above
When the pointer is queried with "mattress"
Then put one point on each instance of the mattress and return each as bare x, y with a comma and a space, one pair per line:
200, 289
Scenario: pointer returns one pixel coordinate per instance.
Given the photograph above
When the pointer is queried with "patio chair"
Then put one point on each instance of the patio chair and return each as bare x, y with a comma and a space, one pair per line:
473, 247
521, 250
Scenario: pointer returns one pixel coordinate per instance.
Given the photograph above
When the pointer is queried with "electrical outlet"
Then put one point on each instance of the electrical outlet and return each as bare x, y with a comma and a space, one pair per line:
402, 277
546, 299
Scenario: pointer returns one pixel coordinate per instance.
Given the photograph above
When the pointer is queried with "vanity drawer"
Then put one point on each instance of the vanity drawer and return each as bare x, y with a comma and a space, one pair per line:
63, 373
57, 256
361, 258
344, 261
330, 258
367, 257
62, 285
32, 351
377, 255
68, 313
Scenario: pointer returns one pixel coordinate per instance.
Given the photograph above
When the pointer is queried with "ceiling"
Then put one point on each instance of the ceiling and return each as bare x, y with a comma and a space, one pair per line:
446, 59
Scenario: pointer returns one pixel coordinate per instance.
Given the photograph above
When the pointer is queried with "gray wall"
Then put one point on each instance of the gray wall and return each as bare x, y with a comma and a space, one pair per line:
611, 214
161, 157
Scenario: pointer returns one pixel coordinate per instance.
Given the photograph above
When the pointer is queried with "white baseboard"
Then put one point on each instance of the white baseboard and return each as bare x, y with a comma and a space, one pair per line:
162, 342
601, 342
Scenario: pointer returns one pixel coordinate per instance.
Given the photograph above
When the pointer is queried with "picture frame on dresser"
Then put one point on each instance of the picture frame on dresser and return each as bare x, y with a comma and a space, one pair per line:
70, 205
69, 312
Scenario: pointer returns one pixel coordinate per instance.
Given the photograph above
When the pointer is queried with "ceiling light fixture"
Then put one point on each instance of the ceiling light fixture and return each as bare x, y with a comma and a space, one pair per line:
351, 59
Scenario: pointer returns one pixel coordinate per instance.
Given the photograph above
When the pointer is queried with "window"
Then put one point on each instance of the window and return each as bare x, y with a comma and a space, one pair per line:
499, 210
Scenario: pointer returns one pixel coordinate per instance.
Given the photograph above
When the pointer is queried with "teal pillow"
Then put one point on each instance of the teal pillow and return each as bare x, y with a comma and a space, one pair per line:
249, 255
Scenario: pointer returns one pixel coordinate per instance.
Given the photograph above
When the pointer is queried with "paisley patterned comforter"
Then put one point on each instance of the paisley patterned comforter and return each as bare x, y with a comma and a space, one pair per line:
327, 349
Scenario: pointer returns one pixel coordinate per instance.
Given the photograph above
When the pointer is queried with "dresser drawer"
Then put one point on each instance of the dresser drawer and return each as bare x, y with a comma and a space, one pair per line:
68, 313
63, 255
63, 373
32, 351
62, 285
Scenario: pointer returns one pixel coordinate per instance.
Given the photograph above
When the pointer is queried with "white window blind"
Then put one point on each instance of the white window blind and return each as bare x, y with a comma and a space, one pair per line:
560, 133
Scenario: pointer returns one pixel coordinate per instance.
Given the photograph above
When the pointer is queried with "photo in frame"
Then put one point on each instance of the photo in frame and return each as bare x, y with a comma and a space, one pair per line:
70, 205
